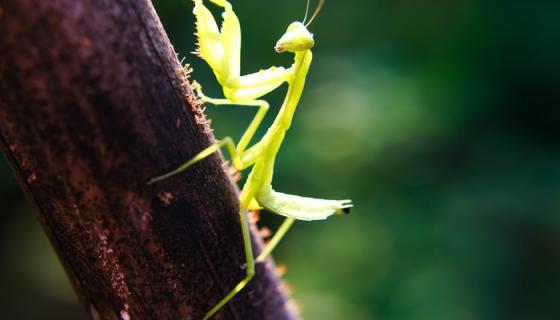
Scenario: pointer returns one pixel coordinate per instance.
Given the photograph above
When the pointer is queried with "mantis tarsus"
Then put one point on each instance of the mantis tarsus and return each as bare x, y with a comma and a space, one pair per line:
221, 49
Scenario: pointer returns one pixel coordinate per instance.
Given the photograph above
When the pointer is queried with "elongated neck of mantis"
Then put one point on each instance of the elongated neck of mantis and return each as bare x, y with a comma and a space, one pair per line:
302, 61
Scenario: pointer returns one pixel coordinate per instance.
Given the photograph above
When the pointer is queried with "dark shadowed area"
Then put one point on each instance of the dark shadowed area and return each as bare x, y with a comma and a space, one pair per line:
439, 119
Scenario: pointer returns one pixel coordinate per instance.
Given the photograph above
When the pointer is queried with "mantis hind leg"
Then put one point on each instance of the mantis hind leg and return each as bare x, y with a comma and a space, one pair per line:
280, 233
247, 194
250, 265
250, 261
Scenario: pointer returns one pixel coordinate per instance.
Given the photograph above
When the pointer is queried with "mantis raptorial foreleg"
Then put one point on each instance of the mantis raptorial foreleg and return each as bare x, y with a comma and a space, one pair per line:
222, 50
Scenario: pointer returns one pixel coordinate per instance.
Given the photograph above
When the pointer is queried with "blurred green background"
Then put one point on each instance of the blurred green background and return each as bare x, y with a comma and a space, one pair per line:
438, 118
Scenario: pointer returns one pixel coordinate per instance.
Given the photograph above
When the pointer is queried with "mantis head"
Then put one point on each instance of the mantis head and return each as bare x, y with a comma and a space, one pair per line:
296, 38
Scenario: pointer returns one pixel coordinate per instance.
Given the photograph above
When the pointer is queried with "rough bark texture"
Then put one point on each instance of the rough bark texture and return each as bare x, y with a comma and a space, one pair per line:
93, 103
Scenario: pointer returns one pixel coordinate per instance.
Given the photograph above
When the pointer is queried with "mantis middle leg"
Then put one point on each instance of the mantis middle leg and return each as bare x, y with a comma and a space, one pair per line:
240, 157
253, 126
236, 158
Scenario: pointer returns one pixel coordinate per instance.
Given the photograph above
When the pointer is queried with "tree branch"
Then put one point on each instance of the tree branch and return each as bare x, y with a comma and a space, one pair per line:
93, 103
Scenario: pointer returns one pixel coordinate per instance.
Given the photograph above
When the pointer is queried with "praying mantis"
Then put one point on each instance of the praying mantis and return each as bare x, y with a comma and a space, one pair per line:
221, 49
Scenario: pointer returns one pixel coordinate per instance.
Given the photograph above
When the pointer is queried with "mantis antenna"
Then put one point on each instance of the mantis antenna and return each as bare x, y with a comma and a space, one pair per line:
317, 9
306, 11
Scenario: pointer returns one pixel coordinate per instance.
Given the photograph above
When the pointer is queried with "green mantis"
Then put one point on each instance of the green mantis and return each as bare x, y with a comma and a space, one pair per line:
221, 49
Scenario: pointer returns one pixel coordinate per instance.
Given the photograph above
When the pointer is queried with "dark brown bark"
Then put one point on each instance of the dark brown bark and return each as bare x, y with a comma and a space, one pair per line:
93, 103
